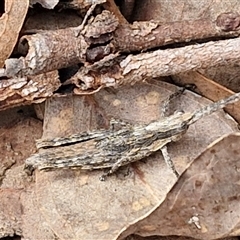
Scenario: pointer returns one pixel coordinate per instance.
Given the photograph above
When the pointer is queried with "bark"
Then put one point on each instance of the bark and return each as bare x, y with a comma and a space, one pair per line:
99, 45
145, 35
51, 50
27, 90
144, 66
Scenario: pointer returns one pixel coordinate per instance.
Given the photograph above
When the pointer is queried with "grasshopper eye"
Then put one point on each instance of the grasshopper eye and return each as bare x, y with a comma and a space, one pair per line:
179, 112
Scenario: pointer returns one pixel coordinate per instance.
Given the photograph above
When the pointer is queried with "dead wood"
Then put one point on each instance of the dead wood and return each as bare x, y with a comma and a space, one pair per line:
151, 34
51, 50
27, 90
144, 66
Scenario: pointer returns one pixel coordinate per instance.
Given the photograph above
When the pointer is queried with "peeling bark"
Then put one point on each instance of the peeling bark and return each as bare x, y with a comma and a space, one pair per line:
98, 45
51, 50
144, 66
145, 35
27, 90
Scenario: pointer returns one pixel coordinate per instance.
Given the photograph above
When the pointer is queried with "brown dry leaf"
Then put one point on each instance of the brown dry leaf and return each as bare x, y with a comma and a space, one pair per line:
174, 10
27, 90
50, 20
204, 203
209, 89
17, 133
75, 204
10, 212
227, 76
18, 211
10, 25
34, 225
16, 143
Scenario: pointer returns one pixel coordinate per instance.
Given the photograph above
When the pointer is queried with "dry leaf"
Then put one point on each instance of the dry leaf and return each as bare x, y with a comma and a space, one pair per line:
75, 204
17, 134
10, 212
49, 20
204, 203
72, 204
209, 89
227, 76
174, 10
34, 224
10, 25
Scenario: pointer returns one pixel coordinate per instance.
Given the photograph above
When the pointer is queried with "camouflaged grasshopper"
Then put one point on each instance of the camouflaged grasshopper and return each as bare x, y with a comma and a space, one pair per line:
115, 148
